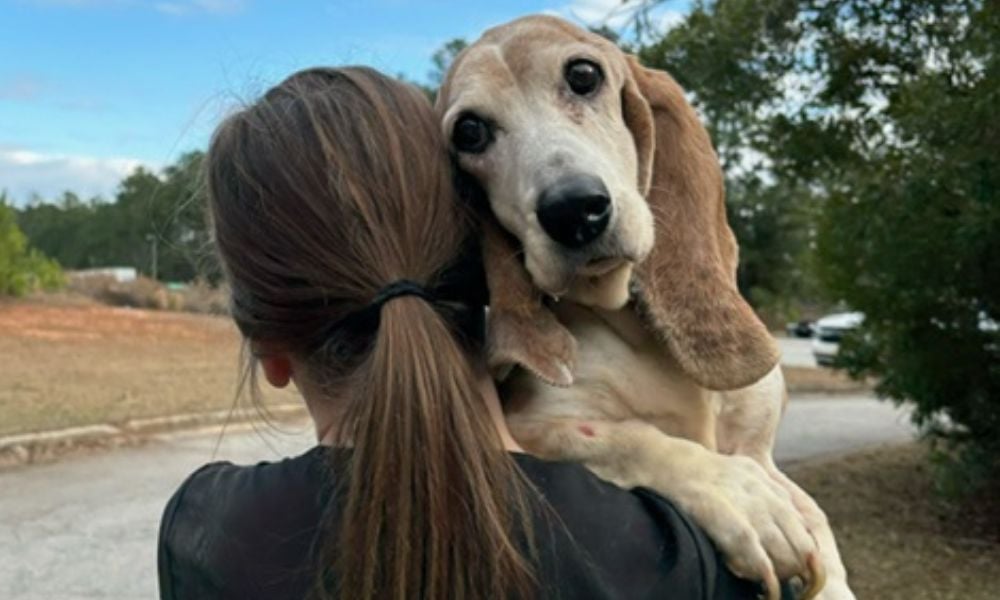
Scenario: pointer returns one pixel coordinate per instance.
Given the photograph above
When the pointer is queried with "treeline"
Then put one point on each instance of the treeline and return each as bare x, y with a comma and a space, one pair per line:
862, 148
155, 222
862, 155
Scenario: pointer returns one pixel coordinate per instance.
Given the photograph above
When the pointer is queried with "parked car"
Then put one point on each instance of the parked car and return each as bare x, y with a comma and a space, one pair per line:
986, 324
829, 331
801, 329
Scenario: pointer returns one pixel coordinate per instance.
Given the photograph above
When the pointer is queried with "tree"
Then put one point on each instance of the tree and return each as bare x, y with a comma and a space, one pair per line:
731, 58
173, 215
879, 119
913, 238
22, 268
442, 59
163, 210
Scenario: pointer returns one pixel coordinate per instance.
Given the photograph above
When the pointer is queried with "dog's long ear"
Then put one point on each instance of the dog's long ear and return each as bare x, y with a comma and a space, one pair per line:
521, 330
688, 283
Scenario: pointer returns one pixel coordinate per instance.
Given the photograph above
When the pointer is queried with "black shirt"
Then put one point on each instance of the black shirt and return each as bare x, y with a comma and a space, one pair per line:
250, 532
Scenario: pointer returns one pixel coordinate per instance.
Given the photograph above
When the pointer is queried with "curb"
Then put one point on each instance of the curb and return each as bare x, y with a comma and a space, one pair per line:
47, 446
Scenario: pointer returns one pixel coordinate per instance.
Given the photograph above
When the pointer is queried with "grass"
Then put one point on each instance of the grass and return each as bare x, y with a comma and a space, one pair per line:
70, 362
900, 540
810, 380
77, 363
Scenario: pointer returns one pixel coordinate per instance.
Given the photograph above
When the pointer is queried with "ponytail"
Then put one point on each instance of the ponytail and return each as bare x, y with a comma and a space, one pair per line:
432, 499
331, 186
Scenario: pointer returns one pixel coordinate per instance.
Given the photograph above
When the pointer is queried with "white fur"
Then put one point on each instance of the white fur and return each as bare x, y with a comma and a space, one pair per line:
646, 416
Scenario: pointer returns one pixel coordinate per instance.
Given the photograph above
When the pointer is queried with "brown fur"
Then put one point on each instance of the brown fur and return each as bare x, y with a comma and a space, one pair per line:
642, 373
688, 283
687, 289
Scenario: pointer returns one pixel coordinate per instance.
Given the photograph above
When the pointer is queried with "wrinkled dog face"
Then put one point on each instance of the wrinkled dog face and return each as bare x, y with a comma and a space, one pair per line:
535, 114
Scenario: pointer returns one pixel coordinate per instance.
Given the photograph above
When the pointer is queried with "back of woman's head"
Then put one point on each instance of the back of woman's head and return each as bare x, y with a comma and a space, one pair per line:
328, 189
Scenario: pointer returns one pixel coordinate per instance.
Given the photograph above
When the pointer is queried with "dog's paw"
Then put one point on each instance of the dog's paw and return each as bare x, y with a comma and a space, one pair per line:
535, 341
752, 520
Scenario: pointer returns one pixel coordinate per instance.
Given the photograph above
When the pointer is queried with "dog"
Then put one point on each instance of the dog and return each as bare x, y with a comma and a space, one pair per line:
611, 273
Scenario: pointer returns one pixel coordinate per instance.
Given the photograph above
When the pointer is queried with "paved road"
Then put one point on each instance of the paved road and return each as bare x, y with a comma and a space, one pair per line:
817, 425
796, 352
86, 528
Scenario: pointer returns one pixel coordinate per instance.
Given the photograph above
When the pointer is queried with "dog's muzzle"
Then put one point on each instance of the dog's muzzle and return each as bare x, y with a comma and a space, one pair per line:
575, 210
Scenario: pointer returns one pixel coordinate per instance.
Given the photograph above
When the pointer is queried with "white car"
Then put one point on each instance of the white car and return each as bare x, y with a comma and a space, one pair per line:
829, 331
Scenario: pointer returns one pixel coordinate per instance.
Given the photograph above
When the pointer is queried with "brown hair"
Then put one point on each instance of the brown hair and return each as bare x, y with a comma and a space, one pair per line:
333, 185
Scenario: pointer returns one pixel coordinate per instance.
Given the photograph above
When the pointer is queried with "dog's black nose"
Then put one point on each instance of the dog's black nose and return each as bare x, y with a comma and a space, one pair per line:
575, 210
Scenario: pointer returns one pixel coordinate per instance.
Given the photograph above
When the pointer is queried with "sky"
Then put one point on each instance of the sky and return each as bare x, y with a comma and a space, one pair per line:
91, 89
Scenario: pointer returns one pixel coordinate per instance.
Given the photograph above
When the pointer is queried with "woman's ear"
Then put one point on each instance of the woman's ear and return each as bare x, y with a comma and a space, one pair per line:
276, 364
277, 369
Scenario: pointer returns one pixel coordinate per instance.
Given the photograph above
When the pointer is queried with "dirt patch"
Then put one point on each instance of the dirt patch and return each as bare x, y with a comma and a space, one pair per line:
820, 380
70, 364
900, 540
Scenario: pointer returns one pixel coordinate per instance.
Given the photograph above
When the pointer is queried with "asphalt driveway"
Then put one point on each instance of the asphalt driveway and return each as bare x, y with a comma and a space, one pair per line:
86, 527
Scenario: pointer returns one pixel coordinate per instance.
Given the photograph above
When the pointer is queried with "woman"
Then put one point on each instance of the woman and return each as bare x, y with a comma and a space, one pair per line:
352, 277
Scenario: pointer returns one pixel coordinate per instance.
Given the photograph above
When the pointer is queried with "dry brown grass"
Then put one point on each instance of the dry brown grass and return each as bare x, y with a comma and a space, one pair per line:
900, 540
143, 292
820, 380
76, 363
68, 361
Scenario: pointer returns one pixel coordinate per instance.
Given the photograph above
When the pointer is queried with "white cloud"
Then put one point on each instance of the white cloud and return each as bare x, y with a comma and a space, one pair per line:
668, 19
596, 12
616, 13
24, 173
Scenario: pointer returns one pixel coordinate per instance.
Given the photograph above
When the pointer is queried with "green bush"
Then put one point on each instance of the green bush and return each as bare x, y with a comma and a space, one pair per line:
22, 268
913, 241
862, 145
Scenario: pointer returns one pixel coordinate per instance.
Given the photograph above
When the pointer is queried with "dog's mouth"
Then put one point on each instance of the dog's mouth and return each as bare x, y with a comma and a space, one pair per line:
602, 283
599, 267
567, 274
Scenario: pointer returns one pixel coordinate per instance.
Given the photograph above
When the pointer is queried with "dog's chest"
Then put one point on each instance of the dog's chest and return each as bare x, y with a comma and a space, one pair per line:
622, 373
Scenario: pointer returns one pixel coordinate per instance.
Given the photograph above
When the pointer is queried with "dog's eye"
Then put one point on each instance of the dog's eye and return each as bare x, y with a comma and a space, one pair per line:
583, 76
471, 134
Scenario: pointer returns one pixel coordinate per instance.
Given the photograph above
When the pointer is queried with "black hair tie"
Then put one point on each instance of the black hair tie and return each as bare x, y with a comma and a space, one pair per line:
397, 289
461, 288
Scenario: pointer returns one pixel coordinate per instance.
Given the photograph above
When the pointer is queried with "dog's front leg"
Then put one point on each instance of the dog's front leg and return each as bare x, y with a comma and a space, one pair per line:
749, 516
748, 426
836, 587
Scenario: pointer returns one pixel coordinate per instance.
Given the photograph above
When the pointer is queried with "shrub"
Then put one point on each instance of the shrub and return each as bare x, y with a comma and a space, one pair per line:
203, 297
22, 268
143, 292
139, 293
913, 241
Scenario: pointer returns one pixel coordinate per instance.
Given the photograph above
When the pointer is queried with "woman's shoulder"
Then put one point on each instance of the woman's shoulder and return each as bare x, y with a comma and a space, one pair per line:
235, 497
249, 532
237, 531
626, 543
